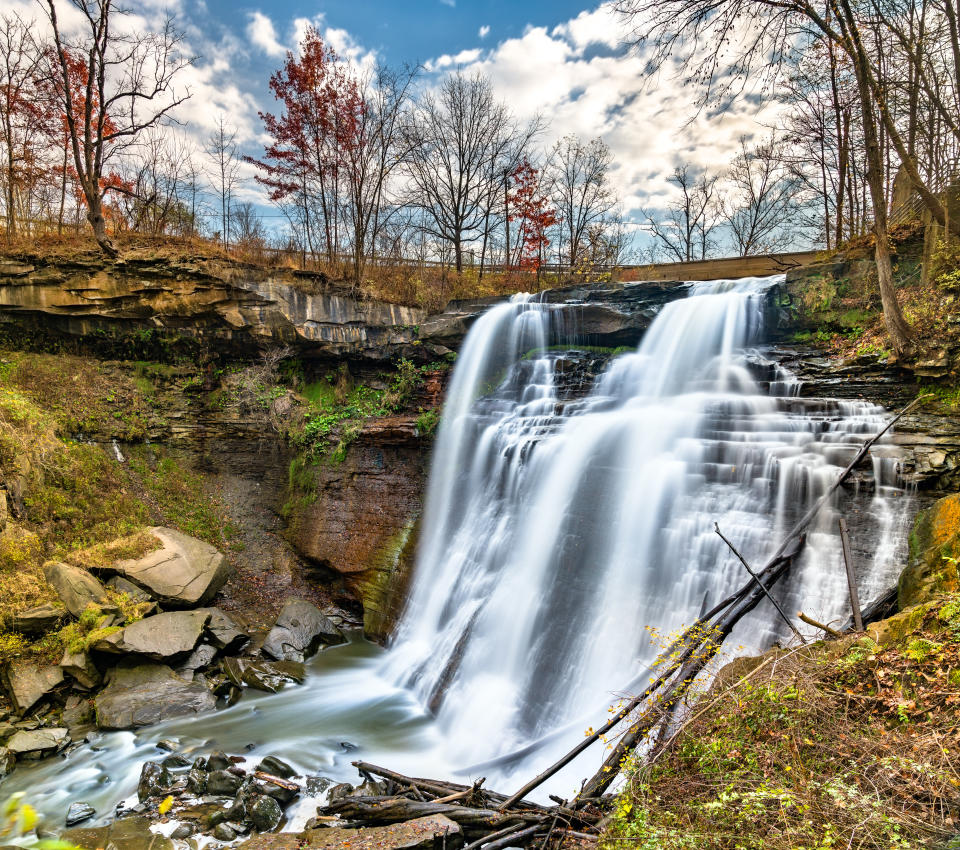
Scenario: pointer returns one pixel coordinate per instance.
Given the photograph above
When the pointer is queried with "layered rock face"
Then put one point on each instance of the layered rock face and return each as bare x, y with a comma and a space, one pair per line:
222, 306
358, 518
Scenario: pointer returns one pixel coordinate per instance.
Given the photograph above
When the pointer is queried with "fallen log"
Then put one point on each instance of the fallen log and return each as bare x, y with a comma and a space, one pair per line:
386, 810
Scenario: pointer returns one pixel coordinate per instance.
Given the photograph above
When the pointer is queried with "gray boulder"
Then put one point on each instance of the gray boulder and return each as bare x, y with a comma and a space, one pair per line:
300, 628
27, 684
183, 572
79, 812
223, 632
79, 667
39, 620
161, 637
149, 693
38, 742
265, 813
76, 587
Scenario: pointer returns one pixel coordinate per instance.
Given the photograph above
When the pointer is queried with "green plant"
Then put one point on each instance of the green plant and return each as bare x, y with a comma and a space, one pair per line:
18, 818
427, 421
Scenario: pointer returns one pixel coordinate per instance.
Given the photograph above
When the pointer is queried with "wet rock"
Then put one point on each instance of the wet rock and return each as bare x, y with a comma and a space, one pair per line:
79, 812
175, 760
183, 572
220, 783
27, 684
223, 632
270, 676
169, 745
185, 830
79, 667
224, 832
316, 785
162, 637
197, 782
154, 781
276, 767
76, 587
281, 793
338, 792
39, 620
265, 814
7, 761
39, 742
79, 717
421, 834
125, 834
149, 693
218, 760
300, 628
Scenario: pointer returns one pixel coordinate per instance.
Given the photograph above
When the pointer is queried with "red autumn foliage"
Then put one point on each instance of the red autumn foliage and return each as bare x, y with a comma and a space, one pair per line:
531, 207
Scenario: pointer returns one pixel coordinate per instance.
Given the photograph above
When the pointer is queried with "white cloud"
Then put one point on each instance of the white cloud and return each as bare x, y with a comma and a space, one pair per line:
578, 77
451, 3
484, 31
261, 32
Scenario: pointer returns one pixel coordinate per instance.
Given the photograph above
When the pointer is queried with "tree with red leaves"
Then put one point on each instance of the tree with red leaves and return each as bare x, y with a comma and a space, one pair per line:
322, 109
531, 208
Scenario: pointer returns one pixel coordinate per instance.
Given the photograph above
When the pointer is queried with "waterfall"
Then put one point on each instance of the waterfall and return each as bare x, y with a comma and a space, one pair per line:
558, 531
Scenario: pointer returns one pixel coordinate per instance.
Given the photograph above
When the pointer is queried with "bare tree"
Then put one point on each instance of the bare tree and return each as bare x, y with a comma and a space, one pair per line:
764, 34
761, 203
685, 230
373, 152
126, 86
580, 187
460, 139
223, 152
247, 225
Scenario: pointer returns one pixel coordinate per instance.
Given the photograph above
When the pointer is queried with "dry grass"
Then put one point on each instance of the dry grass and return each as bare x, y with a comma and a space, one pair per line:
843, 745
107, 554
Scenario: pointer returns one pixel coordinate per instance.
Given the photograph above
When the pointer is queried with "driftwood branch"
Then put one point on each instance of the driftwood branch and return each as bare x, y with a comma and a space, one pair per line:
818, 625
756, 578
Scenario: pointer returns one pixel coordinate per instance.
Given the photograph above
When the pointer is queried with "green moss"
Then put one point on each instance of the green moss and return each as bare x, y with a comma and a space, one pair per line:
427, 422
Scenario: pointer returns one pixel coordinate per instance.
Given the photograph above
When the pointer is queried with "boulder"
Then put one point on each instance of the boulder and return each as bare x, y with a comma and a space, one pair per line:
7, 761
300, 628
79, 667
154, 781
76, 587
160, 637
276, 767
221, 783
183, 572
38, 742
39, 620
420, 834
149, 693
27, 684
125, 834
268, 676
223, 632
934, 554
265, 814
79, 717
79, 812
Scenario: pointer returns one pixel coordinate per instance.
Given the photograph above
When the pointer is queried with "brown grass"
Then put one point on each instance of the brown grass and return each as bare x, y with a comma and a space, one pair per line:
127, 548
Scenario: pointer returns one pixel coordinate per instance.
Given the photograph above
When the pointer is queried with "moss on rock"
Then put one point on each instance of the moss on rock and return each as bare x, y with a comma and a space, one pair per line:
934, 552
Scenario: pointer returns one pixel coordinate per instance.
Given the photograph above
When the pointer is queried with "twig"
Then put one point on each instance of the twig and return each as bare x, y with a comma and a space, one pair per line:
756, 578
817, 625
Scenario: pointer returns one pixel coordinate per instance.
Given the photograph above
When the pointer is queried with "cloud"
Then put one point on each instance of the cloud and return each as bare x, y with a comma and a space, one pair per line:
484, 31
451, 3
583, 81
261, 33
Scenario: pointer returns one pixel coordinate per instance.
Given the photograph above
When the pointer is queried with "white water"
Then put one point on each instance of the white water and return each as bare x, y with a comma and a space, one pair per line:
556, 531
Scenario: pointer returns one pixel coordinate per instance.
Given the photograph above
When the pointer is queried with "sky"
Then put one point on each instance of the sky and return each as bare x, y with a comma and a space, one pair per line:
562, 59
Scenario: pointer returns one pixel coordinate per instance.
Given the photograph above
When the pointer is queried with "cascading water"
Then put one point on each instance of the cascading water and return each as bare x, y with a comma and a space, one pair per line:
559, 527
556, 532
